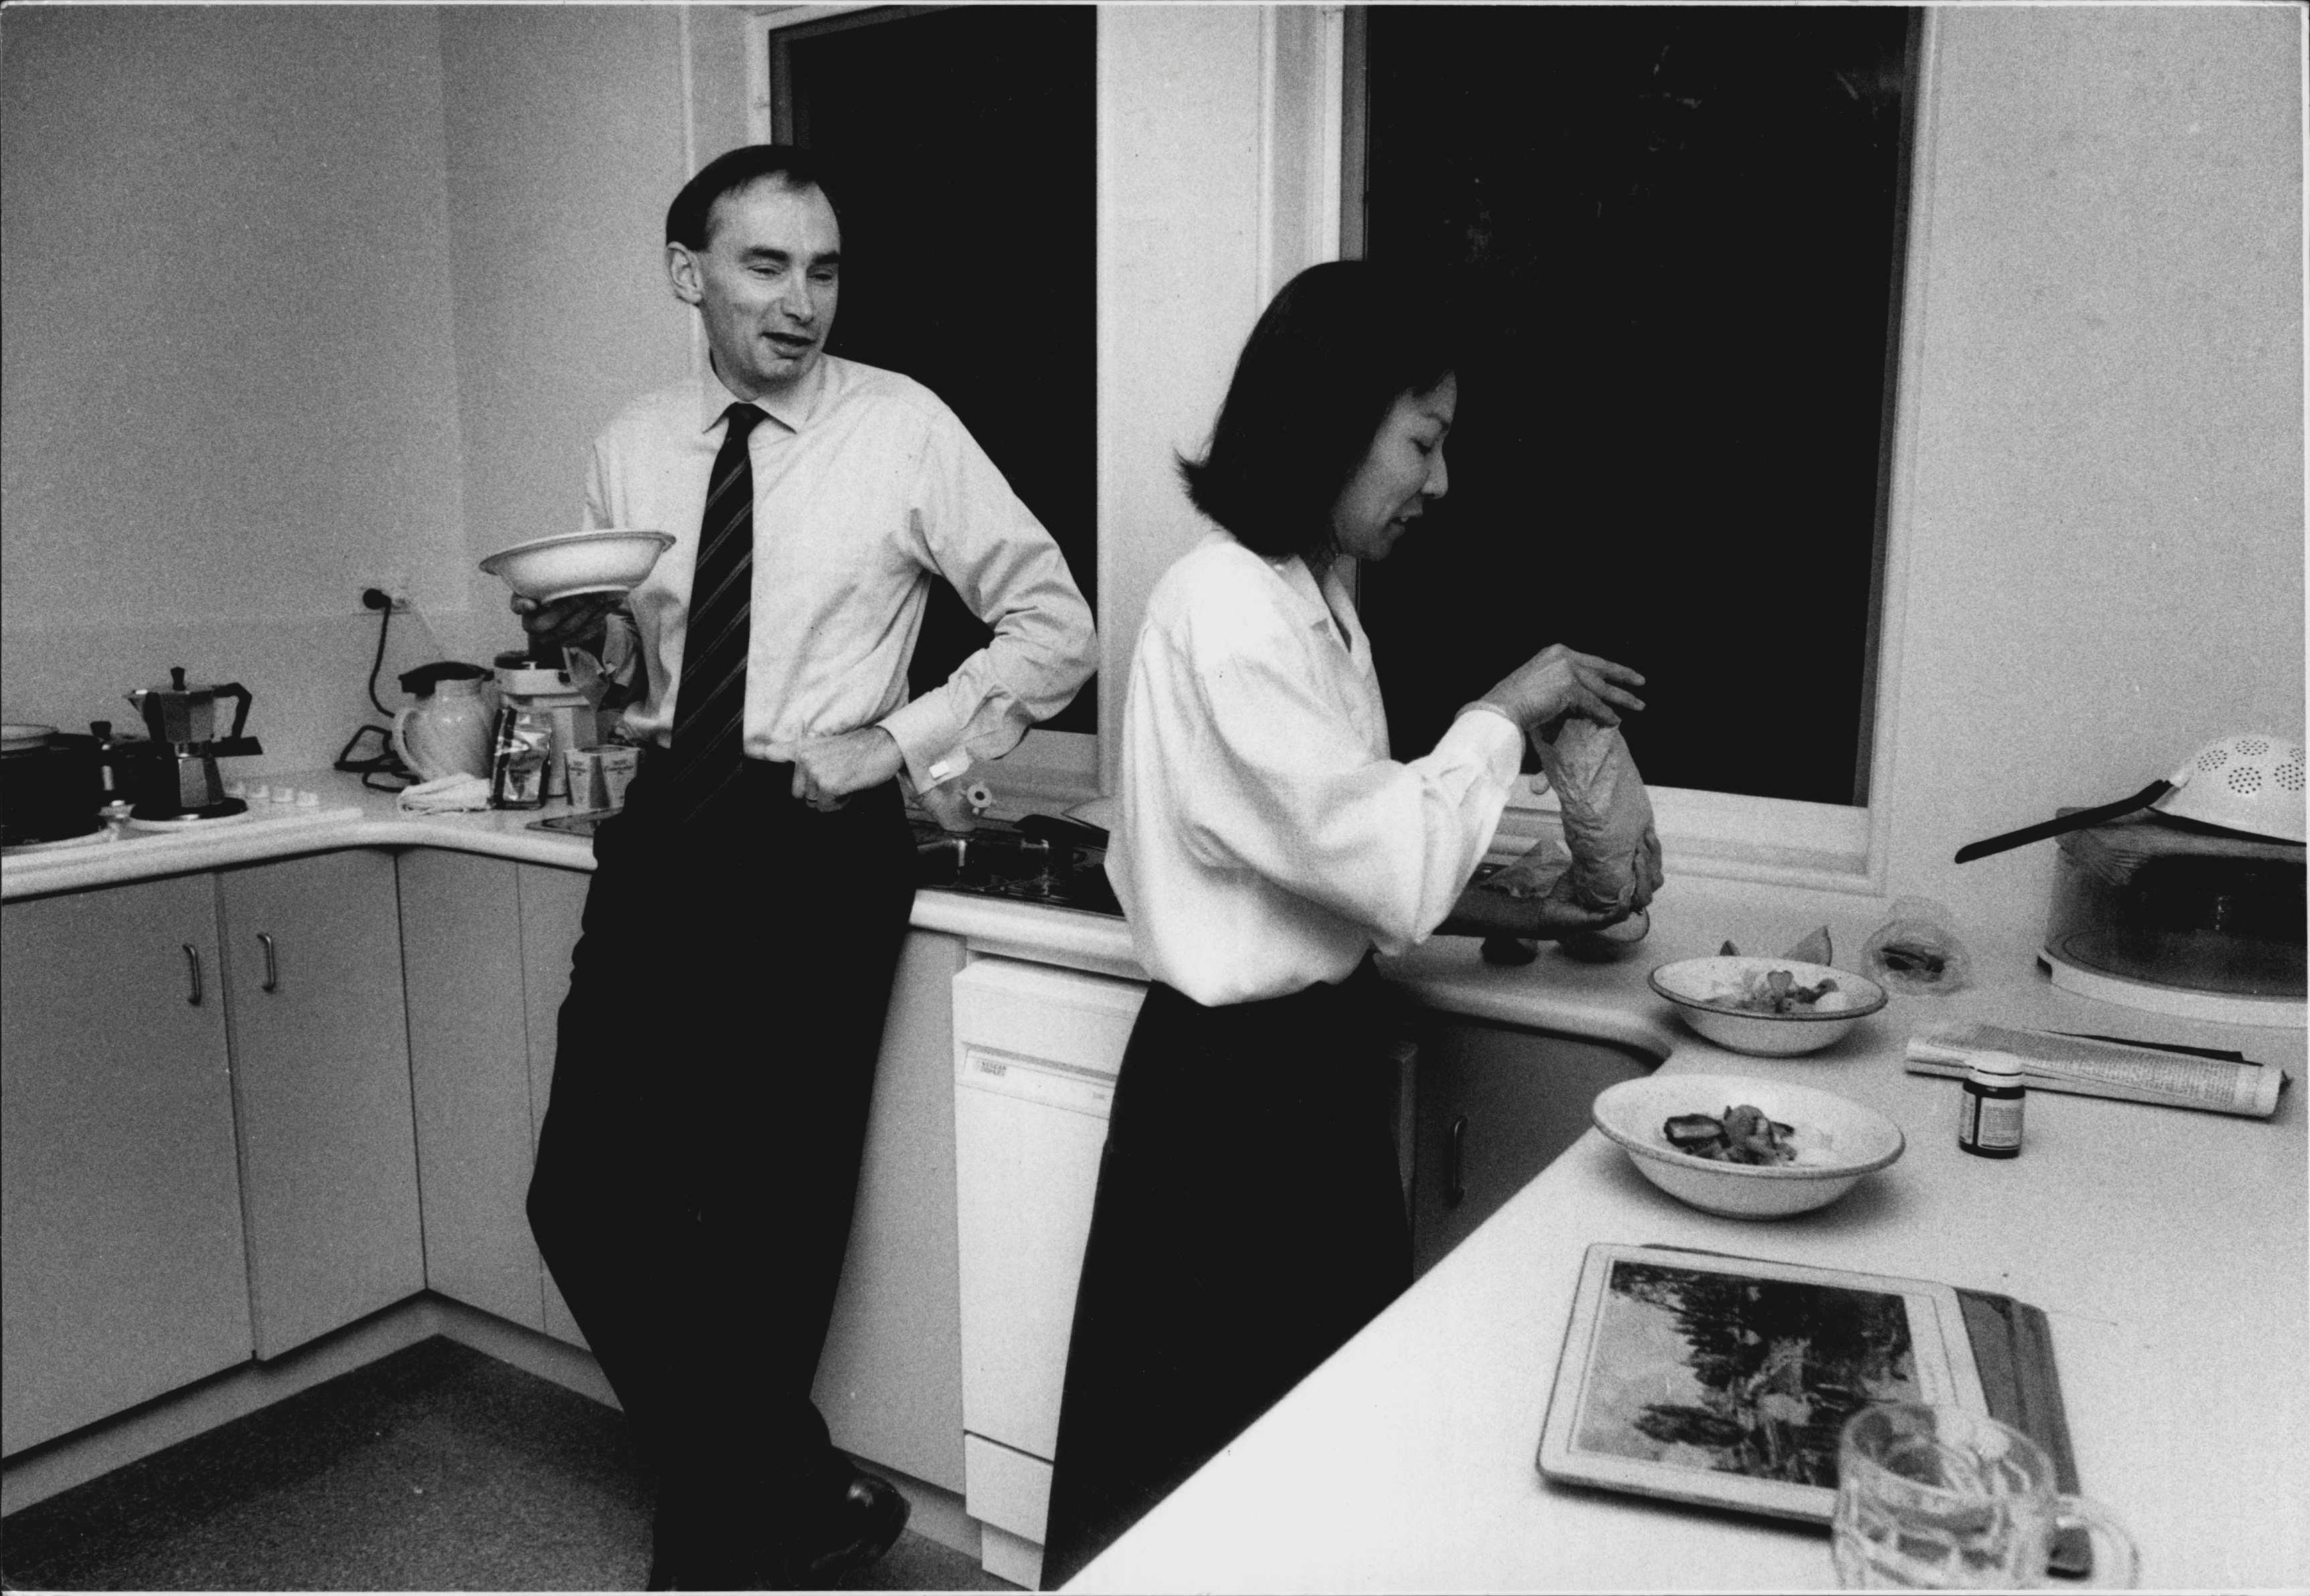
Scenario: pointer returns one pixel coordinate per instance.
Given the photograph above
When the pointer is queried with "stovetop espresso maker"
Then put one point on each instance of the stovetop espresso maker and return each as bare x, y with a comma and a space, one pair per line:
174, 776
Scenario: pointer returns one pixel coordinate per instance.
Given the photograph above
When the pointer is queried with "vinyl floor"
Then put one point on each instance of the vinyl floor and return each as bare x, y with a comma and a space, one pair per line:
436, 1468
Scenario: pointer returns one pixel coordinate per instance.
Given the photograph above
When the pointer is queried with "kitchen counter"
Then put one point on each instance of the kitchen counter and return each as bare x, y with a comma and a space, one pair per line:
351, 816
2168, 1247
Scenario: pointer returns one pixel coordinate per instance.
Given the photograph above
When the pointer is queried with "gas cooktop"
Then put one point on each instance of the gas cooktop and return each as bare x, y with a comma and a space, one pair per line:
1000, 859
997, 860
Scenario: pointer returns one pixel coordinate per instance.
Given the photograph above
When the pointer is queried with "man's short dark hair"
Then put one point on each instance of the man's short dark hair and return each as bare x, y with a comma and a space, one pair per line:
1317, 377
689, 221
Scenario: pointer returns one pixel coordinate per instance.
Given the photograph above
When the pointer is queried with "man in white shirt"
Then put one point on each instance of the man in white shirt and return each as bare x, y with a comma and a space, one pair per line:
716, 1050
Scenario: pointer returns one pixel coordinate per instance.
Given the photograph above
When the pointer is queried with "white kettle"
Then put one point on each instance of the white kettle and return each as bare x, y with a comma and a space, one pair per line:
447, 732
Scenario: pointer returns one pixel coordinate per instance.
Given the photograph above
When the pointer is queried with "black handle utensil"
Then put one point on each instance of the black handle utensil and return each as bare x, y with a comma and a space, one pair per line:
2077, 820
1067, 834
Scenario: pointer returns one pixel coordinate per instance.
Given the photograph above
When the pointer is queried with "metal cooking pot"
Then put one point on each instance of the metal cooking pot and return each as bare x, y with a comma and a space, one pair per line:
51, 786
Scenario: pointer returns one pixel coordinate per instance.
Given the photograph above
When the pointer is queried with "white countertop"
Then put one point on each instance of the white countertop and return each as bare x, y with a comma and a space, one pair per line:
2168, 1247
2171, 1250
351, 816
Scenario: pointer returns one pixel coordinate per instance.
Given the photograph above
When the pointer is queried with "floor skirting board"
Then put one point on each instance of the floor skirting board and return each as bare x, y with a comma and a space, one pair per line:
40, 1472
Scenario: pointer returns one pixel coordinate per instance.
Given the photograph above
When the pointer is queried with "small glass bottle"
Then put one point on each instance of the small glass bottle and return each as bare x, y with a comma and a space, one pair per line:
1989, 1106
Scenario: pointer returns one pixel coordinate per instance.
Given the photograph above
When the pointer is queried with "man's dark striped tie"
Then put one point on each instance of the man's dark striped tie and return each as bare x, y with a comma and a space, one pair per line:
709, 709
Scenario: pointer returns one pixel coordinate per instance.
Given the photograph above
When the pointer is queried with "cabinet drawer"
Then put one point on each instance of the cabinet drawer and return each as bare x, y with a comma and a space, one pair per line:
1005, 1487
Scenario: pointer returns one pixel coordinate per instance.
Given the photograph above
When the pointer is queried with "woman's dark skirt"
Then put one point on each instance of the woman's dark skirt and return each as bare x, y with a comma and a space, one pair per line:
1249, 1220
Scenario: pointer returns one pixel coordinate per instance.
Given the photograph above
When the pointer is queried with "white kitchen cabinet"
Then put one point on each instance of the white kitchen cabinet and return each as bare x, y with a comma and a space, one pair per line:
890, 1382
1494, 1106
469, 1065
553, 911
123, 1272
320, 1056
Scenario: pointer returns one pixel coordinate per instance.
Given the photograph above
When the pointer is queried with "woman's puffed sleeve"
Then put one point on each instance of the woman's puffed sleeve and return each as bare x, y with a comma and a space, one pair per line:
1282, 785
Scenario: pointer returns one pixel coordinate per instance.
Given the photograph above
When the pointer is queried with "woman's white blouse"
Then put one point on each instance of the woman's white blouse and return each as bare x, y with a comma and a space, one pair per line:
1265, 840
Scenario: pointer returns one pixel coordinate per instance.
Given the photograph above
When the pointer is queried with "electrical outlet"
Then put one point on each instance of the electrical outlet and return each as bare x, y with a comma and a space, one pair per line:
385, 598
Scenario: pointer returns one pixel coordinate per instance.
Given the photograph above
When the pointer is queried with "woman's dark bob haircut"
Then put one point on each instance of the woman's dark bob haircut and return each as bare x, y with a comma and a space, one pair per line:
689, 221
1317, 377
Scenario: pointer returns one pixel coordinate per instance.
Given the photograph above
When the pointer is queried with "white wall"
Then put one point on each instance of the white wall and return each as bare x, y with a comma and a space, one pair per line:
300, 299
1210, 148
225, 346
565, 134
2103, 513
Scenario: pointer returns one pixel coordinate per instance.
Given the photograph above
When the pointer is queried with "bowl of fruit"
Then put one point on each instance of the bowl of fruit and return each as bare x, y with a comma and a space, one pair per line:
1744, 1146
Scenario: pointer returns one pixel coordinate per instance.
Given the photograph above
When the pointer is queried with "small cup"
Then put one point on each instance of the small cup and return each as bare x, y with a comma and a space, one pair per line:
1935, 1497
583, 768
618, 764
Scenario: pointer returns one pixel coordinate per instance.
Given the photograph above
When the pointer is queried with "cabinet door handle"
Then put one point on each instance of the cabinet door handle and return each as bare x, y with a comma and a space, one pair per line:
1455, 1148
193, 968
272, 964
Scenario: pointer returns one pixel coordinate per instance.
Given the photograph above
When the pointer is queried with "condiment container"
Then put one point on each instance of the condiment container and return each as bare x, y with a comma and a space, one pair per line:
1990, 1101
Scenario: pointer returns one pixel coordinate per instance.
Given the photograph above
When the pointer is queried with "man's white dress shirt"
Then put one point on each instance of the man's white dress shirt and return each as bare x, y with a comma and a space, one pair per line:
865, 489
1264, 839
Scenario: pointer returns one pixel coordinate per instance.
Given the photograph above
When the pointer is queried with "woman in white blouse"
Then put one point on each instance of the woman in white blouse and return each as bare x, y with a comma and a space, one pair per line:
1249, 1217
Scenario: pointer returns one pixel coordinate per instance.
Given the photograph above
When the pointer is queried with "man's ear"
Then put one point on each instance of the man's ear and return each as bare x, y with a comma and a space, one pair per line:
683, 270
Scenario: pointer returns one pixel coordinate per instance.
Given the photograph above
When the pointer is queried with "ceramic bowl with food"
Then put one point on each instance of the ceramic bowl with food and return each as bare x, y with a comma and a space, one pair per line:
1776, 1008
614, 559
1830, 1141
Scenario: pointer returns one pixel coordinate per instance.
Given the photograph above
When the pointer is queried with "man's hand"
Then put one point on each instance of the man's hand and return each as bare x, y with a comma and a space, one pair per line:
577, 621
828, 770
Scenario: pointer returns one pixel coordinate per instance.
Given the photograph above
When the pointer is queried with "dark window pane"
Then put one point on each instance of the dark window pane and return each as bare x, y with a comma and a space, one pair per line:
965, 143
1679, 230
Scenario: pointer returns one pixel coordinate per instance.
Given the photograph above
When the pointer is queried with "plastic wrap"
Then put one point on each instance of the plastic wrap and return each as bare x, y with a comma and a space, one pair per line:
1608, 817
1917, 951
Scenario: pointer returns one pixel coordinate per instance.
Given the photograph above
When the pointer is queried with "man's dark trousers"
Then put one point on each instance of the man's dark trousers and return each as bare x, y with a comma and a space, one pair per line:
699, 1156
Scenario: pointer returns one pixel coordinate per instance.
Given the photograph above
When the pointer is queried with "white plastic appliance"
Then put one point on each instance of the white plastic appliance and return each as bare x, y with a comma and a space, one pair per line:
1036, 1052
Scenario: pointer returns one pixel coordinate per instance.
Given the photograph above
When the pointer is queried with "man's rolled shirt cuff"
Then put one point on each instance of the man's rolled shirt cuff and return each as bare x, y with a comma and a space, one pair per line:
928, 740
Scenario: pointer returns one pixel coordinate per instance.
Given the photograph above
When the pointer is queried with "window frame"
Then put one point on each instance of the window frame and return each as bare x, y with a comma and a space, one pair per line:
1782, 842
1775, 841
1053, 767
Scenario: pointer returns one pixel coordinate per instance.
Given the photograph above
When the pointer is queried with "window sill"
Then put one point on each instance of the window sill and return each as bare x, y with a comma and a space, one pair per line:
1780, 842
1048, 772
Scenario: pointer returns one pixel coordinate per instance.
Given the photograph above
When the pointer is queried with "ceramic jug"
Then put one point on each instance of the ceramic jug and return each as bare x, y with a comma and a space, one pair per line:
446, 733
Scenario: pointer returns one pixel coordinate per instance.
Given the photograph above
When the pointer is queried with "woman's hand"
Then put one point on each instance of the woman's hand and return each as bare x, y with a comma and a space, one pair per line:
1485, 910
577, 621
1558, 681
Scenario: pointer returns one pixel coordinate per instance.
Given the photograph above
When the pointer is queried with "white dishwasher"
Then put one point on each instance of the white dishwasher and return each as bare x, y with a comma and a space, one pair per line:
1036, 1052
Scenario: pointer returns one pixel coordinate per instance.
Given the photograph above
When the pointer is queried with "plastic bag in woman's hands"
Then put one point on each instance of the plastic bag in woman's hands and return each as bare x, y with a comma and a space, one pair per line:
1916, 951
1608, 817
1533, 875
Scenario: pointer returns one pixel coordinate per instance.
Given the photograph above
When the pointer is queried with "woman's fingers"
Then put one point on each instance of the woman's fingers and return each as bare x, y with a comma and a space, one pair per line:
1613, 693
1590, 705
1609, 670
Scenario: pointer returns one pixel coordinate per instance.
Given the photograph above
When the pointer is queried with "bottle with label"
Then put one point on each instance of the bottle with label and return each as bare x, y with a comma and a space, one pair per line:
520, 759
538, 720
1989, 1106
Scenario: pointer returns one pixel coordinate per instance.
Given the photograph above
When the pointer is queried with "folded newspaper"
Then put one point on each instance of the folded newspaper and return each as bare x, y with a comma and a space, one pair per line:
2099, 1069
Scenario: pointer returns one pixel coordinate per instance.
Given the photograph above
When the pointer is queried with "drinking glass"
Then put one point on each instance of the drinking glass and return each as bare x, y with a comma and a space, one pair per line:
1933, 1497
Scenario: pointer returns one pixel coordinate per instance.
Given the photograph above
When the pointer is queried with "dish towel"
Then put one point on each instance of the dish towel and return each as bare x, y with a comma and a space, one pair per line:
446, 795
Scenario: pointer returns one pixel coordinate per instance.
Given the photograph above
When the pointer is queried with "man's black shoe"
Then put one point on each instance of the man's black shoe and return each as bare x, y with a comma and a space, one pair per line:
865, 1525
